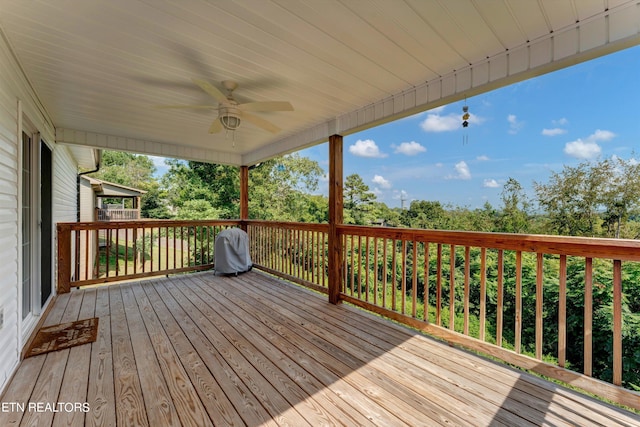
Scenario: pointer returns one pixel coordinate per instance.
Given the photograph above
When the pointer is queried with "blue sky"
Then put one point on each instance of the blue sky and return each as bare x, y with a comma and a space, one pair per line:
524, 131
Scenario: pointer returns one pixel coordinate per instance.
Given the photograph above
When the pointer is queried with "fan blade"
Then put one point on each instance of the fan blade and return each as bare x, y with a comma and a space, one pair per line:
210, 89
207, 107
216, 126
266, 106
261, 123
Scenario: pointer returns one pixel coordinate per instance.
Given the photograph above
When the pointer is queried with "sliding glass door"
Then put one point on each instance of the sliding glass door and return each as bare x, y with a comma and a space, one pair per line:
37, 225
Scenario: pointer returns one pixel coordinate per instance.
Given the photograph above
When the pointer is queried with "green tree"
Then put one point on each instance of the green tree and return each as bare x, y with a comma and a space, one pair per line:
197, 209
582, 199
515, 215
153, 204
127, 169
218, 185
358, 200
621, 195
424, 214
223, 183
472, 219
282, 189
572, 197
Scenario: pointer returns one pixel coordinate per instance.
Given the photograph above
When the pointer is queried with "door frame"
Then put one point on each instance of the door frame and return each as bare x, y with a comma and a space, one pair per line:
40, 304
27, 325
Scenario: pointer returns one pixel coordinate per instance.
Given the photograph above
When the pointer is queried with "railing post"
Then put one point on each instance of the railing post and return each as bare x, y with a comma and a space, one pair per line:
64, 258
335, 217
244, 196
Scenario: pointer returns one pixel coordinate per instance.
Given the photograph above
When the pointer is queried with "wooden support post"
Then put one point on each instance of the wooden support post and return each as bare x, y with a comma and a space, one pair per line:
244, 196
335, 217
64, 258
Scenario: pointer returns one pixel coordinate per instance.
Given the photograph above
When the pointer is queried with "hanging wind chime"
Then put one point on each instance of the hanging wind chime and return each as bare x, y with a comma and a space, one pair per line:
465, 121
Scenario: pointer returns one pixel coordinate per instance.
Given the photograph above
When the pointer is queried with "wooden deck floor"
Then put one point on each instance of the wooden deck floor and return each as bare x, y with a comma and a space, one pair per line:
202, 350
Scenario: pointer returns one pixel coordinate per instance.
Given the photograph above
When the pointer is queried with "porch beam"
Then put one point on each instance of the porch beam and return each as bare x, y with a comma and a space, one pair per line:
335, 216
176, 149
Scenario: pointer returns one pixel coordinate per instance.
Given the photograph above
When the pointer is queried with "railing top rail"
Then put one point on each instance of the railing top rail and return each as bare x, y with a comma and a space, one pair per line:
144, 223
621, 249
290, 225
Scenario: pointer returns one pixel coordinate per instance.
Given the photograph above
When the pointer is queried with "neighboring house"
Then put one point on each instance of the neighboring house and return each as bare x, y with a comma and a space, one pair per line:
94, 192
37, 189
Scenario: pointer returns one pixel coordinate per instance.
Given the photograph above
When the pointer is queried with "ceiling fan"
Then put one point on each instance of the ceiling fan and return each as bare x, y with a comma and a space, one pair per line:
231, 113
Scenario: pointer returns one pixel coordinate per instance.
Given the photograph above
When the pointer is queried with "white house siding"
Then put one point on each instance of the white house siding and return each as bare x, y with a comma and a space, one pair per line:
14, 91
87, 214
87, 201
65, 193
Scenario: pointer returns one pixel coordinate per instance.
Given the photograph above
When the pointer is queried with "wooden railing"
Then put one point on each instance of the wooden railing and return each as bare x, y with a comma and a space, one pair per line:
295, 251
515, 297
469, 289
101, 252
117, 214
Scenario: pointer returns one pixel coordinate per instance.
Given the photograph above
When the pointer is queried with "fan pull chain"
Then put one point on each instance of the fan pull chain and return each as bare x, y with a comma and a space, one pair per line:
233, 137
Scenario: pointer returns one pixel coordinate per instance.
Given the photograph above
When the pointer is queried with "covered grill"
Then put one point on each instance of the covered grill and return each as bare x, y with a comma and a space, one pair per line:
231, 254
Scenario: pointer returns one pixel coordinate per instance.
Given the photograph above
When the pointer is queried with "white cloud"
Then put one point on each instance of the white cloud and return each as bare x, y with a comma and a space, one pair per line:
602, 135
557, 129
588, 148
379, 180
366, 148
553, 132
514, 124
452, 121
491, 183
462, 171
482, 158
410, 148
438, 123
582, 149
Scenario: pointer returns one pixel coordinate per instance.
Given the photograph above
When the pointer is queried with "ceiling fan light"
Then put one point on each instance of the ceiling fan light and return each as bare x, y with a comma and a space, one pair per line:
230, 121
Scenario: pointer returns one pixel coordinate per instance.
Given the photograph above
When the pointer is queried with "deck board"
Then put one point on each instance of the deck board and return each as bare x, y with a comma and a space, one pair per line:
100, 388
129, 402
75, 381
212, 396
161, 410
184, 397
199, 350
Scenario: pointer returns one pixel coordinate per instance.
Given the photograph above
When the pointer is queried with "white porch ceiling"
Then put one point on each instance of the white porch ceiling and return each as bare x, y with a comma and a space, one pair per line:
100, 67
